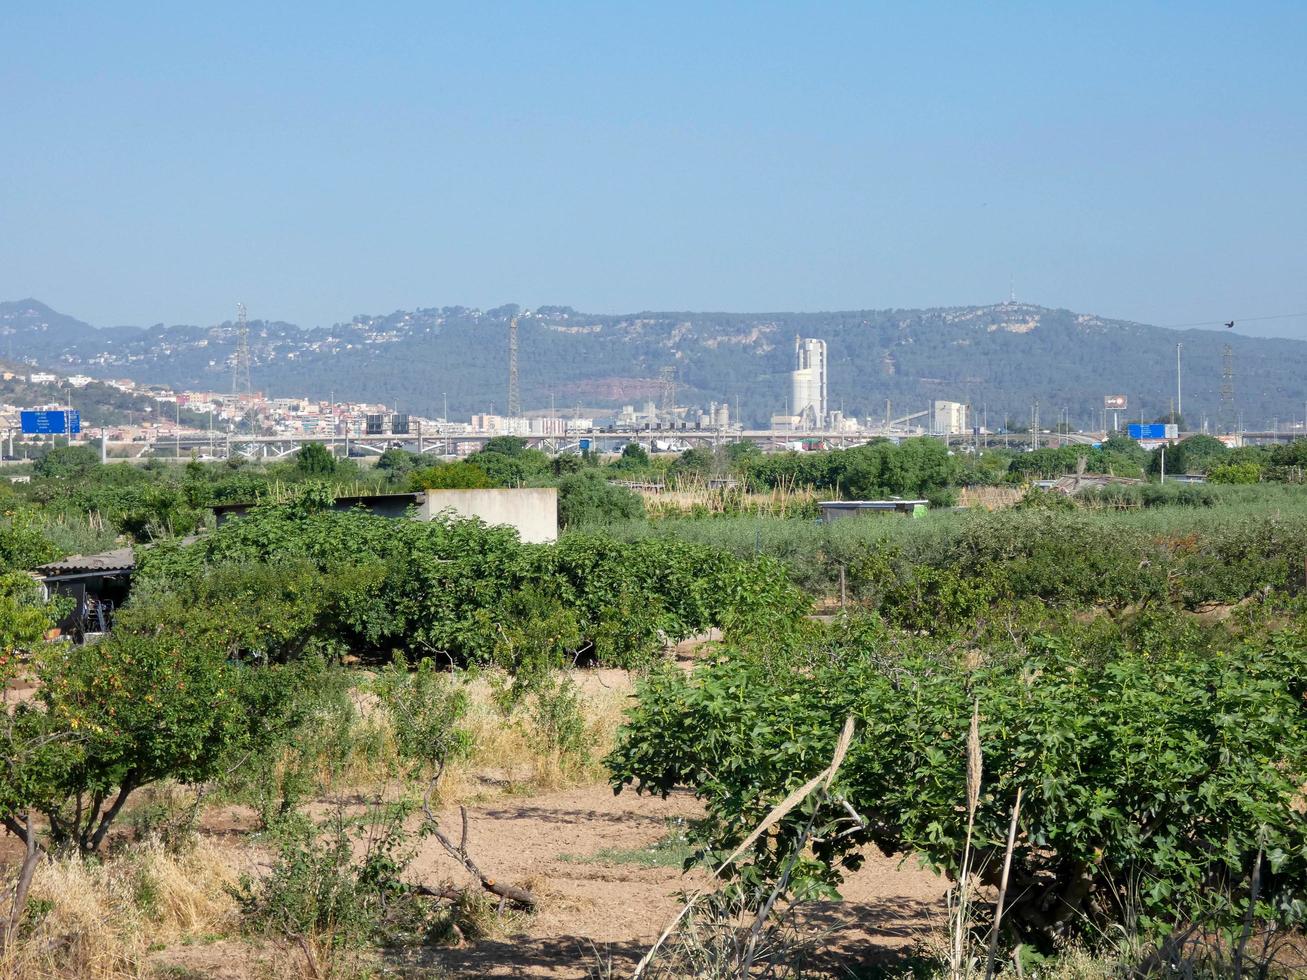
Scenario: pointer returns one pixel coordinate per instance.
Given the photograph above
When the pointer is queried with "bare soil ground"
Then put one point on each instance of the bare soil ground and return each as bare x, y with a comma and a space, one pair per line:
573, 848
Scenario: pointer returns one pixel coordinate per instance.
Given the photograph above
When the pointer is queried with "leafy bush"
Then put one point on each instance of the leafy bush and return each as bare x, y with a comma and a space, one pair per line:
426, 707
24, 542
476, 594
1153, 768
915, 467
315, 460
65, 462
275, 611
1237, 473
450, 476
318, 887
587, 498
134, 709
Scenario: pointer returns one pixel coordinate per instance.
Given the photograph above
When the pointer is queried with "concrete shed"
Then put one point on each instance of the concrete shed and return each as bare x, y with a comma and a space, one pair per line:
835, 510
533, 511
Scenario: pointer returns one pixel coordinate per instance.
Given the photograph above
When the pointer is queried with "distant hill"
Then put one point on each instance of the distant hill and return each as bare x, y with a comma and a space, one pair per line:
999, 358
96, 403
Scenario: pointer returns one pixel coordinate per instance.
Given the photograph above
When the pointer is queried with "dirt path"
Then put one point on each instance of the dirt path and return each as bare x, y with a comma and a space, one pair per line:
576, 848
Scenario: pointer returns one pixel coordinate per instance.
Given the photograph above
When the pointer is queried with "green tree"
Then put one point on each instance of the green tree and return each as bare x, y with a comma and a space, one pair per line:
315, 460
1174, 458
1167, 771
130, 711
66, 462
25, 618
1202, 452
451, 476
397, 463
1119, 442
634, 457
505, 445
566, 463
23, 541
26, 760
520, 468
698, 461
1234, 473
587, 498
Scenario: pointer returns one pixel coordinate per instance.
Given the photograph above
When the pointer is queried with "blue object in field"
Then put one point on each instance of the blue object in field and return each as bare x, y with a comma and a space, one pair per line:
1095, 445
55, 423
584, 444
1151, 430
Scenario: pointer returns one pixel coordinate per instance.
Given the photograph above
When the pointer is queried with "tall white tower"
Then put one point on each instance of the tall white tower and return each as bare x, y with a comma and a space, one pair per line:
808, 383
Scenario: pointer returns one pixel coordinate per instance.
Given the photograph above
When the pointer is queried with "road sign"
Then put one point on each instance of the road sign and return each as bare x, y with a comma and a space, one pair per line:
399, 424
53, 423
1114, 403
1151, 430
584, 445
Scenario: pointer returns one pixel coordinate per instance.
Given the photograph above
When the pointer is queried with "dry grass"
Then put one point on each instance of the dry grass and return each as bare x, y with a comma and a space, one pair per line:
101, 919
511, 753
315, 958
507, 752
695, 499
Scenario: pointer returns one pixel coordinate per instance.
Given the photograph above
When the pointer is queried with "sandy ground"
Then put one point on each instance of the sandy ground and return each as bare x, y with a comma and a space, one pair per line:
592, 910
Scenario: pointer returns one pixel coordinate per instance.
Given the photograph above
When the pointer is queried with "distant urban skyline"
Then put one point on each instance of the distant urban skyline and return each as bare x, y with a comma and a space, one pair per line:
313, 162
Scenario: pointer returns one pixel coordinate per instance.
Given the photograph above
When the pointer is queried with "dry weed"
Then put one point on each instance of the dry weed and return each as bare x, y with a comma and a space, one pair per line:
101, 919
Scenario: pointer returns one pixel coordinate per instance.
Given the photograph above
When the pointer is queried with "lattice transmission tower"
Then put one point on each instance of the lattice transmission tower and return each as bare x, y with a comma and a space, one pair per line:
1229, 420
667, 378
240, 365
514, 392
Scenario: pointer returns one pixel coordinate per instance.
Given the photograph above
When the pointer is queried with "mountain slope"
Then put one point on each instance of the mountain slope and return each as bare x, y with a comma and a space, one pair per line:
998, 358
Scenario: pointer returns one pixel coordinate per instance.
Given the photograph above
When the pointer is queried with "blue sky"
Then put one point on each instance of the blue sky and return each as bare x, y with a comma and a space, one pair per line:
1142, 160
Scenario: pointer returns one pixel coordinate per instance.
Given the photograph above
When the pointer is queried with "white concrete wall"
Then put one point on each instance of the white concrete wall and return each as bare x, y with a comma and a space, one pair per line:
533, 511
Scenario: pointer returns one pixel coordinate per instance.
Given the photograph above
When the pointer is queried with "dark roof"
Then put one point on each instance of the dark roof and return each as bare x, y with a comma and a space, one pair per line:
352, 501
118, 560
868, 504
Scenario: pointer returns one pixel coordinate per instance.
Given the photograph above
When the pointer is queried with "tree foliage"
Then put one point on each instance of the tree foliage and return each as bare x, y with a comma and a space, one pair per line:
447, 587
1155, 766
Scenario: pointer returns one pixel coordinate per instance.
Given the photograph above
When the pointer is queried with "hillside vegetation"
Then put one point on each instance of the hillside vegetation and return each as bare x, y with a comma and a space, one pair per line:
997, 358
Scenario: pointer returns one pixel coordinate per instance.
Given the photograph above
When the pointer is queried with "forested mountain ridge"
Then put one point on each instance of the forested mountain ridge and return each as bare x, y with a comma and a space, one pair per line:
999, 358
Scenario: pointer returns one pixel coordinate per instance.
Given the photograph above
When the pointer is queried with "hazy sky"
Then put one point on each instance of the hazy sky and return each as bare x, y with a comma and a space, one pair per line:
161, 162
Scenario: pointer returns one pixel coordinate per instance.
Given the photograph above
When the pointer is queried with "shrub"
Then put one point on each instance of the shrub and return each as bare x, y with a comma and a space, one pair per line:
315, 460
426, 708
471, 593
24, 542
318, 887
451, 476
125, 713
1238, 473
66, 462
1149, 768
587, 498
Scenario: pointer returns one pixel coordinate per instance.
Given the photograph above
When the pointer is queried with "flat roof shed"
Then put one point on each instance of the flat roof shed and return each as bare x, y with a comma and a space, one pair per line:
98, 584
834, 510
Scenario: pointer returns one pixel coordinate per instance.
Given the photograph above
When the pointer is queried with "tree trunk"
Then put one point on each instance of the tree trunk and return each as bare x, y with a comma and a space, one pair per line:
18, 904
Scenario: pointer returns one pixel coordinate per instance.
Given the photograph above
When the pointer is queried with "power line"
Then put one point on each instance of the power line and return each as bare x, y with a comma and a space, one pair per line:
1237, 319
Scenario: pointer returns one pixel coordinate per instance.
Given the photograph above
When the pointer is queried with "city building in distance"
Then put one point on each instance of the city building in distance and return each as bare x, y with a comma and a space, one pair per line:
808, 383
948, 418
